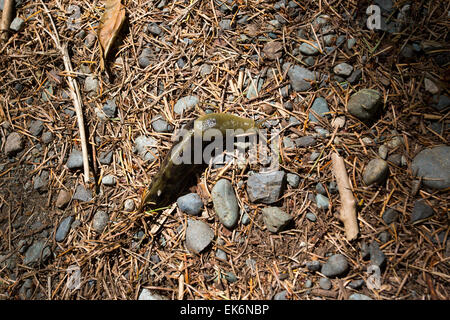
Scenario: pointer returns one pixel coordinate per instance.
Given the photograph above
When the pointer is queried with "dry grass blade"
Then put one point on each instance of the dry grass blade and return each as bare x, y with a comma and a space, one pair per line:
109, 27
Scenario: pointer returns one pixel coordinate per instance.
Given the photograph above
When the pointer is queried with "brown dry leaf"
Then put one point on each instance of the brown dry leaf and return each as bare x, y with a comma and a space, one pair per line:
109, 27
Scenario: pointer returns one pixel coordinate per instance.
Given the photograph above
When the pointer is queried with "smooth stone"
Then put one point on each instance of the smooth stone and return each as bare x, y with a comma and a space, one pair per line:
383, 152
90, 40
365, 104
245, 219
305, 141
395, 159
225, 203
14, 144
288, 143
148, 295
329, 39
205, 69
322, 132
308, 49
322, 201
265, 187
359, 296
377, 256
154, 29
314, 156
225, 24
221, 255
145, 147
37, 253
17, 24
129, 205
421, 211
293, 121
159, 124
356, 284
100, 221
41, 181
351, 43
36, 127
355, 76
441, 102
319, 106
63, 229
300, 78
433, 165
390, 215
110, 108
47, 137
336, 265
320, 189
275, 219
281, 295
340, 40
230, 277
310, 61
384, 237
190, 204
63, 198
293, 179
90, 84
308, 284
109, 180
311, 217
185, 104
343, 69
430, 86
26, 290
106, 157
313, 266
75, 160
82, 194
198, 236
325, 283
376, 171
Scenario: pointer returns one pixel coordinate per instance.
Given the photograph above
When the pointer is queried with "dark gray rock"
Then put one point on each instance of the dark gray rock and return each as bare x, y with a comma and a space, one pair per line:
26, 290
265, 187
311, 217
293, 179
390, 215
36, 127
421, 211
320, 189
75, 160
47, 137
281, 295
275, 219
185, 104
106, 157
41, 181
325, 283
322, 201
225, 203
305, 141
356, 284
190, 204
300, 78
365, 104
63, 229
384, 237
159, 124
355, 76
313, 266
319, 106
376, 171
336, 265
145, 147
343, 69
433, 165
14, 144
441, 102
359, 296
198, 236
377, 256
110, 108
100, 221
82, 194
37, 253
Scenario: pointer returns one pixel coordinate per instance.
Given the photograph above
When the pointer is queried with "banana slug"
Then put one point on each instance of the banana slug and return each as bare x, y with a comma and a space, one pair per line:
173, 173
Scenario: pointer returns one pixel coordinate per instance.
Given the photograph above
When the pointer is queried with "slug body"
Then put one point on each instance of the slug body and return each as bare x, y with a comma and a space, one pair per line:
174, 172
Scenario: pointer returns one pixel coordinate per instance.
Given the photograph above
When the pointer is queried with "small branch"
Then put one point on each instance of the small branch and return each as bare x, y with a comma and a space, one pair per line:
74, 92
348, 202
7, 15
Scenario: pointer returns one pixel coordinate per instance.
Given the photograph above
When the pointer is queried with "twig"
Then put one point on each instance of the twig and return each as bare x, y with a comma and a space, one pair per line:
348, 202
8, 8
74, 92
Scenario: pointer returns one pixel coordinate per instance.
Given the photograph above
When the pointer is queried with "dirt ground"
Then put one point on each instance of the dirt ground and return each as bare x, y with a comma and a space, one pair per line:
130, 254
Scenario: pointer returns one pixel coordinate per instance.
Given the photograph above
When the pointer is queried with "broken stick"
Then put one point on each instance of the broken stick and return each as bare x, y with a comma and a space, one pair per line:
7, 15
348, 202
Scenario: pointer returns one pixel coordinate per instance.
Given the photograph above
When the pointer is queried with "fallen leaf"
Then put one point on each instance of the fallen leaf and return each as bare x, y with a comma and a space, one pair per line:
109, 27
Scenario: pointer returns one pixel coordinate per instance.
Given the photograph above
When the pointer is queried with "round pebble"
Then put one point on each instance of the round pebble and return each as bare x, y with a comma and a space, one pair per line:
100, 221
325, 283
336, 265
190, 204
198, 236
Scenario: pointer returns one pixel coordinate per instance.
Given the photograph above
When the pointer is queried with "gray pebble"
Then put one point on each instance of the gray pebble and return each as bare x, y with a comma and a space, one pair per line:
190, 204
351, 43
37, 253
320, 189
293, 179
308, 283
308, 49
36, 127
63, 199
310, 61
441, 102
383, 152
340, 40
129, 205
75, 160
225, 24
319, 106
41, 181
281, 295
90, 40
313, 266
384, 237
356, 284
110, 108
225, 203
185, 104
14, 144
145, 147
365, 104
100, 221
288, 143
47, 137
198, 236
359, 296
82, 194
221, 255
314, 156
154, 29
305, 141
245, 219
332, 187
205, 69
159, 124
390, 215
17, 24
265, 187
325, 283
336, 265
293, 121
322, 201
433, 165
322, 132
377, 256
343, 69
148, 295
376, 171
421, 211
63, 229
300, 78
105, 157
311, 217
109, 180
26, 290
275, 219
90, 84
355, 76
329, 39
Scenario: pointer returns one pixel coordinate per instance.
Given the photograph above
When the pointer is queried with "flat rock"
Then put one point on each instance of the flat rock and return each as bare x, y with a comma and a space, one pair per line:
225, 203
185, 104
82, 194
343, 69
75, 160
376, 171
311, 217
325, 283
145, 147
47, 137
14, 144
275, 219
365, 104
433, 165
319, 106
63, 198
63, 229
90, 84
110, 108
41, 181
17, 24
300, 78
377, 256
308, 49
336, 265
36, 127
100, 221
265, 187
37, 253
273, 50
305, 141
359, 296
190, 204
109, 180
293, 179
198, 236
322, 201
148, 295
159, 124
421, 211
105, 157
390, 215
